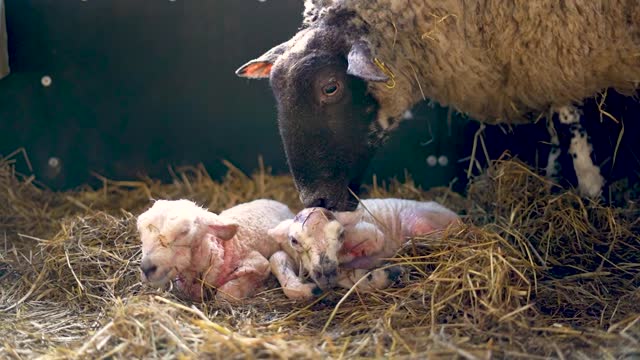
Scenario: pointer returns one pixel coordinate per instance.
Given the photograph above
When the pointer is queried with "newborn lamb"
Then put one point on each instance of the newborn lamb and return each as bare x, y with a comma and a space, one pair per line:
184, 242
328, 244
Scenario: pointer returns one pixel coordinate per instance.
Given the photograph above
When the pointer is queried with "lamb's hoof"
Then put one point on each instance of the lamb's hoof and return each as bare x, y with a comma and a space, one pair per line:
316, 291
302, 292
394, 273
382, 278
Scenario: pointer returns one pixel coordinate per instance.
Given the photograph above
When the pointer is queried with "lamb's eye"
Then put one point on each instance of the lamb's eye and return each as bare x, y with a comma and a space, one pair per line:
341, 236
294, 241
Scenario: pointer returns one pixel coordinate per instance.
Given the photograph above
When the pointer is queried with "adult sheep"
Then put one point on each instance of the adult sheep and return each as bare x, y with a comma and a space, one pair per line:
344, 80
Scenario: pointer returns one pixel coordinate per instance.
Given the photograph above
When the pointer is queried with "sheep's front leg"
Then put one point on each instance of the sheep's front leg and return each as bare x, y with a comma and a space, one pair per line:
247, 279
380, 278
553, 165
284, 268
590, 180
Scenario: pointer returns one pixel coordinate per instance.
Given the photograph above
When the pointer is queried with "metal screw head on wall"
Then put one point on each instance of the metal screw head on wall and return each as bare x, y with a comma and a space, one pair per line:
46, 81
432, 160
54, 167
441, 160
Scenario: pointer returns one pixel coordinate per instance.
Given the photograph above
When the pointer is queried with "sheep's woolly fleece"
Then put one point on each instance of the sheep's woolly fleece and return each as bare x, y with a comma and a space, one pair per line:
495, 60
535, 273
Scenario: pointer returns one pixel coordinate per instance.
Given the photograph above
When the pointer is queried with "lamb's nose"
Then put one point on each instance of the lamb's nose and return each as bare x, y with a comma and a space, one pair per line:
148, 268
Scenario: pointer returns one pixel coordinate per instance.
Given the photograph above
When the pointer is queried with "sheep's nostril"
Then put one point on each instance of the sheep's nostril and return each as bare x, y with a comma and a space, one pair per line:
331, 273
148, 268
319, 202
317, 274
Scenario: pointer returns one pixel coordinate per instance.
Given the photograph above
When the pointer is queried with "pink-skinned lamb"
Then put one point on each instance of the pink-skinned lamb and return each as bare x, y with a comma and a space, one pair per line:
199, 249
338, 248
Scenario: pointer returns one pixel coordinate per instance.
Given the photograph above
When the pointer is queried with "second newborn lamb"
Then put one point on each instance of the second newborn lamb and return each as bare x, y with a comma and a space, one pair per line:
339, 248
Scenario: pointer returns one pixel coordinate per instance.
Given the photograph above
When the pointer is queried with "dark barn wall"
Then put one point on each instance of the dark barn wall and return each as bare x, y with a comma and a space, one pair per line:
4, 56
138, 85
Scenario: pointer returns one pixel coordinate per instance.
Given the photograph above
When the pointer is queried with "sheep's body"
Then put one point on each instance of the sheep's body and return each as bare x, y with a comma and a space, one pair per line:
496, 60
340, 248
229, 251
348, 76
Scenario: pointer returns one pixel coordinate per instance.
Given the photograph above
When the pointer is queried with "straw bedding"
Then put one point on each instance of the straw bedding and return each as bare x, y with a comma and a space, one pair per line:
536, 272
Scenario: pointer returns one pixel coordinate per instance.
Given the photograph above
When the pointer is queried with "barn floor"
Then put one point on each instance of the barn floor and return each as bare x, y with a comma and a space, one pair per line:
536, 273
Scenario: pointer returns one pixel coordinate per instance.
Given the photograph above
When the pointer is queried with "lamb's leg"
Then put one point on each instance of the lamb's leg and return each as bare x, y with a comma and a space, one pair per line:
590, 181
247, 279
380, 278
293, 287
364, 240
427, 221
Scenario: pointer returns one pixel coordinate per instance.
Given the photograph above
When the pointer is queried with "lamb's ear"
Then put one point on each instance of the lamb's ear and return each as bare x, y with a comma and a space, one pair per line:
361, 63
224, 231
142, 218
280, 233
348, 218
260, 68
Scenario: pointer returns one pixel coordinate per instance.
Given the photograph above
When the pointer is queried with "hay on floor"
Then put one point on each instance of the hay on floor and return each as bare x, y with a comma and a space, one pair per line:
535, 272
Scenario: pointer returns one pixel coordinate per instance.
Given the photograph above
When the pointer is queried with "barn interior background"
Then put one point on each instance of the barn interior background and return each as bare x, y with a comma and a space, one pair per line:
131, 87
124, 88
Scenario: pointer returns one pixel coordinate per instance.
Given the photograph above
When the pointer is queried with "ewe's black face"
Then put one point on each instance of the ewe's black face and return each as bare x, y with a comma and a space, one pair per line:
325, 118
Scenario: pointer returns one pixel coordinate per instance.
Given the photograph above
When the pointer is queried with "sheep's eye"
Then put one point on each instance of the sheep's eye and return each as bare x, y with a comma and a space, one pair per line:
341, 236
330, 89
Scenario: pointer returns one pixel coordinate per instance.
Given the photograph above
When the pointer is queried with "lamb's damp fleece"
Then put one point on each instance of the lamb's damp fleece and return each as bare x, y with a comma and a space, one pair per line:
200, 249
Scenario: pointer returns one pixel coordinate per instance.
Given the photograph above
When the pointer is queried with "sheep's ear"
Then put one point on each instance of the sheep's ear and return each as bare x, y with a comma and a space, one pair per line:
348, 218
361, 63
280, 233
255, 69
260, 68
224, 231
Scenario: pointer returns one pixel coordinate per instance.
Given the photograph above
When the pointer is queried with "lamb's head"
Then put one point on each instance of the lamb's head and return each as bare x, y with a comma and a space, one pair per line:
329, 120
317, 236
173, 234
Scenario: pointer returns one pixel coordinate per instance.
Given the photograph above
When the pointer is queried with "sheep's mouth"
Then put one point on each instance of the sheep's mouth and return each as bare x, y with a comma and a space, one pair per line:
326, 280
325, 283
158, 280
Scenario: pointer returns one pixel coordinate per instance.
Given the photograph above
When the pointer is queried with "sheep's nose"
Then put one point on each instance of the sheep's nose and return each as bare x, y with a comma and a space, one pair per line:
318, 202
148, 268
